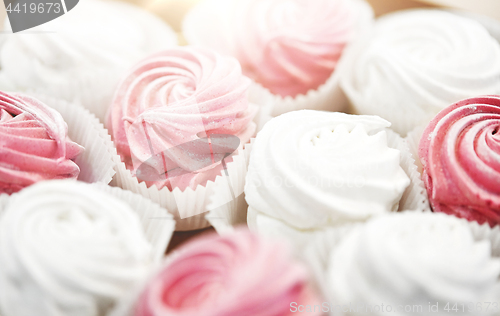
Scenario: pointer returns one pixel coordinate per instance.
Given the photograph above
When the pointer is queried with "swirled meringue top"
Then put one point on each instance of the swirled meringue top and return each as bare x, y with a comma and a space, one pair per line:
313, 169
236, 274
68, 249
34, 145
460, 154
68, 57
415, 63
287, 46
172, 98
413, 259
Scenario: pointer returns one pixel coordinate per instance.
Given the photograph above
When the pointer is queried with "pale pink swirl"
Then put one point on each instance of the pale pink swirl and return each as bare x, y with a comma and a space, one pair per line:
173, 98
460, 153
293, 46
237, 274
34, 145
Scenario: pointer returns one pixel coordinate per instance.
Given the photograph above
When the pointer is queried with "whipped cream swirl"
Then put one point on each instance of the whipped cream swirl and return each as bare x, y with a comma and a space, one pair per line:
34, 145
460, 154
414, 259
314, 169
68, 249
287, 46
81, 55
237, 274
415, 63
173, 98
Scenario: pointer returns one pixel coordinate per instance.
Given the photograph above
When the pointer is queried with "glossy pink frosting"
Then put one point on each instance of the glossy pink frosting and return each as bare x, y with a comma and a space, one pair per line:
460, 153
293, 46
34, 145
237, 274
172, 98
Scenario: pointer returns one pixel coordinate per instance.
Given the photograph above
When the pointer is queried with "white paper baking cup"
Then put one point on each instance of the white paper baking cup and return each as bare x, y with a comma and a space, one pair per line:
415, 196
189, 206
318, 252
227, 206
4, 197
96, 162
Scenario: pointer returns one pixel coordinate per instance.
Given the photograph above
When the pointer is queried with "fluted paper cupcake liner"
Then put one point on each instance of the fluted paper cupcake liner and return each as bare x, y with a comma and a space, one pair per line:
320, 249
3, 202
227, 206
327, 97
96, 162
188, 206
157, 222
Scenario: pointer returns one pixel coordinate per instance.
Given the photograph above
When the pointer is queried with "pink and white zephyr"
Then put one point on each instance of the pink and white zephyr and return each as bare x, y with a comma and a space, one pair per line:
177, 97
34, 145
287, 46
237, 274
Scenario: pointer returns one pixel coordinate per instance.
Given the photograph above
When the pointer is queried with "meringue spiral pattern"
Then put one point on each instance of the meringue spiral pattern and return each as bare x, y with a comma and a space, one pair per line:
172, 98
68, 249
460, 154
236, 274
413, 259
34, 145
314, 169
416, 63
287, 46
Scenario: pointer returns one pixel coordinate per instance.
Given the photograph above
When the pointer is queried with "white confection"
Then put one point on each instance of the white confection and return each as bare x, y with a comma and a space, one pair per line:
415, 63
315, 169
413, 259
82, 54
67, 249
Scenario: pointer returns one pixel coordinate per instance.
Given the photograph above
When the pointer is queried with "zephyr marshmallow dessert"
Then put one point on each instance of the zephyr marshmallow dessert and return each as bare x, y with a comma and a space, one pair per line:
314, 170
82, 54
68, 248
236, 274
289, 48
414, 264
460, 154
415, 63
34, 144
178, 119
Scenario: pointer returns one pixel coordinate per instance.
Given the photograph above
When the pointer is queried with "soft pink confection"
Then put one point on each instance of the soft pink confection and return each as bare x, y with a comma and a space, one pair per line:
287, 46
34, 145
239, 274
293, 46
460, 153
171, 100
